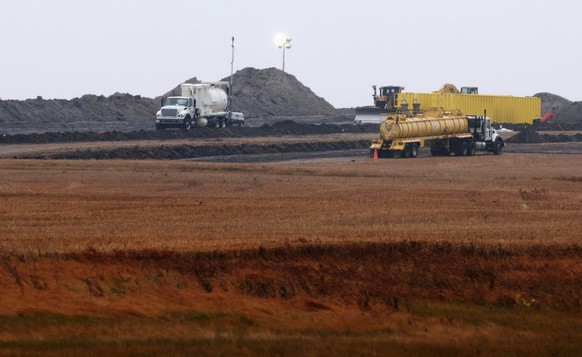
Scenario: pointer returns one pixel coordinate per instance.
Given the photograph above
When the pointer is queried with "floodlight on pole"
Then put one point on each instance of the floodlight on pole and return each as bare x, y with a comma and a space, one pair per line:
284, 43
230, 90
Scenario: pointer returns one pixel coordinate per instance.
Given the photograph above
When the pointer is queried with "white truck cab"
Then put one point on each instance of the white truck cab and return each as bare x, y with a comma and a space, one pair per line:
485, 135
176, 112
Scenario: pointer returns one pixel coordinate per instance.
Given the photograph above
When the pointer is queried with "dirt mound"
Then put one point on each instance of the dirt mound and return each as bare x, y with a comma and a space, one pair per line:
257, 93
267, 92
552, 103
565, 111
96, 111
177, 91
530, 136
527, 136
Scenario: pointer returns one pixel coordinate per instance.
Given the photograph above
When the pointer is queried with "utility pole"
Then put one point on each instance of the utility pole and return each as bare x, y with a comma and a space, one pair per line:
231, 90
283, 42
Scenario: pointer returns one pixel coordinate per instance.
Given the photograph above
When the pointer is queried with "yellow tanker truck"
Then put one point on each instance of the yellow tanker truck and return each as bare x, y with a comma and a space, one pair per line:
447, 132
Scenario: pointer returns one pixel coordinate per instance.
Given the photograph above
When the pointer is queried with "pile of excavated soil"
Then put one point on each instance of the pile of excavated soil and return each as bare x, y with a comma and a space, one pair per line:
526, 136
530, 136
272, 92
265, 96
89, 111
565, 111
257, 93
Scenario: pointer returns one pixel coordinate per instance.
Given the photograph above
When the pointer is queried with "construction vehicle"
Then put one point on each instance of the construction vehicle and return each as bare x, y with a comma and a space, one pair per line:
448, 132
383, 104
202, 104
503, 108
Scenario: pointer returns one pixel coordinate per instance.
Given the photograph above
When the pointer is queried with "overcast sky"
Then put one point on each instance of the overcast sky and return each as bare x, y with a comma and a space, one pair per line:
67, 48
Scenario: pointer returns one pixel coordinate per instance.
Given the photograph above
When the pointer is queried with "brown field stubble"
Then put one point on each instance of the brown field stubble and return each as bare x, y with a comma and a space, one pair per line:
64, 206
434, 255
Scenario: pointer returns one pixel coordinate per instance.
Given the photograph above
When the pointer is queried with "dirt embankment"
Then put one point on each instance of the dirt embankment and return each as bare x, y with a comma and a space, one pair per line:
565, 111
365, 276
530, 136
286, 127
263, 95
89, 112
301, 140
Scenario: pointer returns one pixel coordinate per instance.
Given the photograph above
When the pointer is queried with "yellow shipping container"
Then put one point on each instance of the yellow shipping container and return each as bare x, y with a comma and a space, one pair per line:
500, 108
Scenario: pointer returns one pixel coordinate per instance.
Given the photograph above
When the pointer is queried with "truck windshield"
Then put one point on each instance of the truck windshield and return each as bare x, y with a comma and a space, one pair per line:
177, 101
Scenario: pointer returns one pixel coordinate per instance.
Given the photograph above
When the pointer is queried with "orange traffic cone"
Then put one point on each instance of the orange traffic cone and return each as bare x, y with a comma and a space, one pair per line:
375, 154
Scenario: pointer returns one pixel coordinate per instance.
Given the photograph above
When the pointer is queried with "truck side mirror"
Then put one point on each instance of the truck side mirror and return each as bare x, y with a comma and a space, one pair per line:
162, 102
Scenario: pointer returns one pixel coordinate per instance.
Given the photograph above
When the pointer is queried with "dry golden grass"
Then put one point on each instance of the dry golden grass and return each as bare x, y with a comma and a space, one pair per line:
437, 255
69, 206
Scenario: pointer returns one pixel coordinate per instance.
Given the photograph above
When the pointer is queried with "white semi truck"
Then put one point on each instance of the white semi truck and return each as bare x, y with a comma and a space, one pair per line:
202, 104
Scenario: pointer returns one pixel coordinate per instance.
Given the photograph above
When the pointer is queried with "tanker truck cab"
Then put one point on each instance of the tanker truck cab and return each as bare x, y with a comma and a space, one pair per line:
484, 134
177, 112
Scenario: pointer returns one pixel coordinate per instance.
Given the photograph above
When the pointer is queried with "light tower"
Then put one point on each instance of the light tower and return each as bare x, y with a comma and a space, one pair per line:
284, 43
231, 90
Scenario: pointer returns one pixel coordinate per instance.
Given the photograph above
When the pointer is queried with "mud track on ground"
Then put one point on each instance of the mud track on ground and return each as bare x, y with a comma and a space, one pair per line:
286, 127
286, 140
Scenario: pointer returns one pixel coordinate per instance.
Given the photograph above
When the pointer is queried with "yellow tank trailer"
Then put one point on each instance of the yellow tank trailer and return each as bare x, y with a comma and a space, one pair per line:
447, 132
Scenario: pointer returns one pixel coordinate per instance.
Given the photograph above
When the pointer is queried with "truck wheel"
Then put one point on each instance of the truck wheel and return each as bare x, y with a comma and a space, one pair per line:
461, 149
497, 145
438, 148
187, 123
413, 150
433, 149
471, 149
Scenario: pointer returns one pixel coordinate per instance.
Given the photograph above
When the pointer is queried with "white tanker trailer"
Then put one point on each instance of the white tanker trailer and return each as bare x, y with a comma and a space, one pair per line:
203, 104
447, 132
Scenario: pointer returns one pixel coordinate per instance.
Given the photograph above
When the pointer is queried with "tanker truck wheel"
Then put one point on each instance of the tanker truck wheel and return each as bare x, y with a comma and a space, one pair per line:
438, 148
433, 149
410, 150
461, 148
497, 145
413, 150
471, 149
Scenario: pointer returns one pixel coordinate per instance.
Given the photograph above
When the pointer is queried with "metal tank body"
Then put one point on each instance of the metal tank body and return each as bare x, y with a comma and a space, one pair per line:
211, 98
422, 127
215, 98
